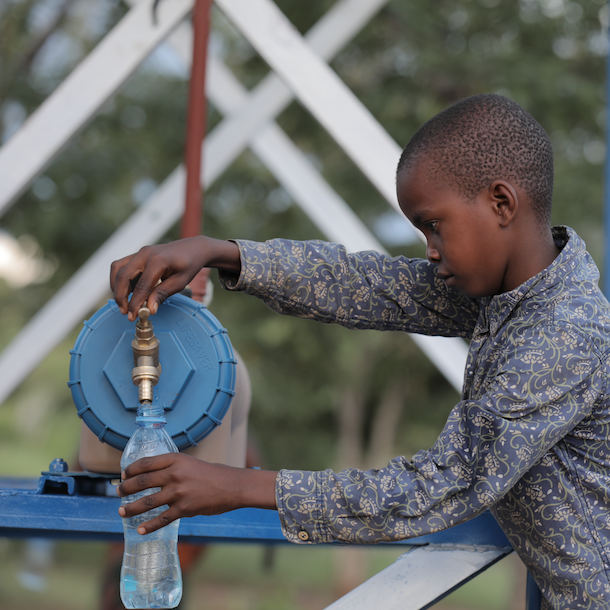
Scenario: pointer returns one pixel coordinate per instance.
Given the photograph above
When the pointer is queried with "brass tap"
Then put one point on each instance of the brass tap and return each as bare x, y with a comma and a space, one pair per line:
146, 367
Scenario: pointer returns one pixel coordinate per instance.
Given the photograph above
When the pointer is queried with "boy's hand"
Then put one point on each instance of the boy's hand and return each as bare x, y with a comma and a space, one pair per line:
192, 487
163, 270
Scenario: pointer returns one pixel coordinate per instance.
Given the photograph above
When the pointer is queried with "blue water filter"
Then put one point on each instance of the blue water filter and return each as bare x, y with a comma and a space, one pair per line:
196, 384
194, 391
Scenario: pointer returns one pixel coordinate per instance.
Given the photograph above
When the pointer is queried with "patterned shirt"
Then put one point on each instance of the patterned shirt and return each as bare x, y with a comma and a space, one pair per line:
528, 440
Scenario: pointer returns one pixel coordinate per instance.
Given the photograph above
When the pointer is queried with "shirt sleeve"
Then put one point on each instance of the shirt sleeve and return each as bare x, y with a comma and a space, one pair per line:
321, 281
551, 381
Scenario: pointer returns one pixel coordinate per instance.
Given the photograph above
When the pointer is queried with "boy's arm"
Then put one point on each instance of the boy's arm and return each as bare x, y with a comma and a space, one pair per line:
322, 281
310, 279
487, 445
162, 270
192, 487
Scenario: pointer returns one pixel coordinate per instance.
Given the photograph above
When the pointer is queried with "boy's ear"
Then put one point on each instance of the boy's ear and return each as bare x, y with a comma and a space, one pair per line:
504, 200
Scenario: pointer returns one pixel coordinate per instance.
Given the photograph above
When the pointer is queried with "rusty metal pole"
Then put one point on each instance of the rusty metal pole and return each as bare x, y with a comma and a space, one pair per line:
196, 122
192, 218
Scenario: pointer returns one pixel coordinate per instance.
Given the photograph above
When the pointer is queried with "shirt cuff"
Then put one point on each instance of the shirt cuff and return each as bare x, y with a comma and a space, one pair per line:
301, 504
256, 274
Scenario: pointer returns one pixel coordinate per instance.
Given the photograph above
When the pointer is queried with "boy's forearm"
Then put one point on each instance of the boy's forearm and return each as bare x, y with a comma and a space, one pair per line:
221, 254
256, 488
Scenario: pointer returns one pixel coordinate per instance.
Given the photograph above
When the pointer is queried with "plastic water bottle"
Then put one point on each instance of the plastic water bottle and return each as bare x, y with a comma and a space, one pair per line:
150, 574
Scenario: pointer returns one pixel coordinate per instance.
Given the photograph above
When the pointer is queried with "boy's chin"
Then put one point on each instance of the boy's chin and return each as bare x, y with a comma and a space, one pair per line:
472, 292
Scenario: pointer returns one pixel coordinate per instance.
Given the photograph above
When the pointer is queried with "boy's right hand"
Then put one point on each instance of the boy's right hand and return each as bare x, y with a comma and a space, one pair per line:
162, 270
190, 487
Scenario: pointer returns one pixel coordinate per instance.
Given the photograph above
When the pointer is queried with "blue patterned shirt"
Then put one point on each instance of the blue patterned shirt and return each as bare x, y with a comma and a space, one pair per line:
528, 440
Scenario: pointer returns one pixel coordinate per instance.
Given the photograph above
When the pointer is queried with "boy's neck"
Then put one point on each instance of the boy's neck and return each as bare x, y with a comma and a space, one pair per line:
534, 253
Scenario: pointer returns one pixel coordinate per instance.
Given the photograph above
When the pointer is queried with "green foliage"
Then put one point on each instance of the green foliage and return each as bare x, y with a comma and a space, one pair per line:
412, 60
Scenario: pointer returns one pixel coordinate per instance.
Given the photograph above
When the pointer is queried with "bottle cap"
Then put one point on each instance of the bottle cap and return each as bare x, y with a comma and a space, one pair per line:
197, 379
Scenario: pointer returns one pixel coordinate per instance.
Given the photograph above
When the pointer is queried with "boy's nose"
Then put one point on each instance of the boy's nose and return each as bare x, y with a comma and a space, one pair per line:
432, 254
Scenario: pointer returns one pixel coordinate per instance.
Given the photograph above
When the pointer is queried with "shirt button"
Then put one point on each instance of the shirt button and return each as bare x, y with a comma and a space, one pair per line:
303, 536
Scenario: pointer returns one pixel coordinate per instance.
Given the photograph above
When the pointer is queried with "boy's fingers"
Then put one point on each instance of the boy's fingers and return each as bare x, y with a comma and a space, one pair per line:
120, 279
154, 289
137, 484
115, 268
143, 505
131, 278
137, 274
157, 523
144, 474
173, 284
148, 464
141, 289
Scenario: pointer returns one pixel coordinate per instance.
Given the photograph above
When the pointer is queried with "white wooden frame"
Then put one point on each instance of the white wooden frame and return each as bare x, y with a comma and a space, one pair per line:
249, 120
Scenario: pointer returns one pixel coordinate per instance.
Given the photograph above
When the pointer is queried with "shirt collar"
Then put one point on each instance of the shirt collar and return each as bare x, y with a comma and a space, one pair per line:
571, 258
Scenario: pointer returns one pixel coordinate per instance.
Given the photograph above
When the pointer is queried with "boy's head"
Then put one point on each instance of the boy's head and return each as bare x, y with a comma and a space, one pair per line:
477, 180
483, 138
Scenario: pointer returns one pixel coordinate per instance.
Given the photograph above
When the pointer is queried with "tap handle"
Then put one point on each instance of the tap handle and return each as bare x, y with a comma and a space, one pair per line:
144, 314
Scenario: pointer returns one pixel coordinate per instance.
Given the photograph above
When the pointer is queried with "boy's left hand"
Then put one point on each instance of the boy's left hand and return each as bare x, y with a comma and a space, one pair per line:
192, 487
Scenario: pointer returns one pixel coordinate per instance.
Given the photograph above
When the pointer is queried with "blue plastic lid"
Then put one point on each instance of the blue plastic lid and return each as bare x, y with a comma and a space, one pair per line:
197, 379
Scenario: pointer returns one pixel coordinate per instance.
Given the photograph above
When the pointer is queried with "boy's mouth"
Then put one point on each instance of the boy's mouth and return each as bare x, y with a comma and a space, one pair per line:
448, 279
443, 276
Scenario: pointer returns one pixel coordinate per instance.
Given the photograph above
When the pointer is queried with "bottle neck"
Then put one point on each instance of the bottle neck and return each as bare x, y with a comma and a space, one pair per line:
149, 415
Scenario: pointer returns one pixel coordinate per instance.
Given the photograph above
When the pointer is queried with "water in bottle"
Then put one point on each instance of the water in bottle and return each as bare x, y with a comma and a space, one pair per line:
150, 574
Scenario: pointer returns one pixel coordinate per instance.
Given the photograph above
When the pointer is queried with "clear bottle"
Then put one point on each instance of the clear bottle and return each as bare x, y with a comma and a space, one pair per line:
150, 574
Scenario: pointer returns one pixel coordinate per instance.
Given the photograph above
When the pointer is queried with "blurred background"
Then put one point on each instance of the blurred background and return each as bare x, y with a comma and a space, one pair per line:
322, 396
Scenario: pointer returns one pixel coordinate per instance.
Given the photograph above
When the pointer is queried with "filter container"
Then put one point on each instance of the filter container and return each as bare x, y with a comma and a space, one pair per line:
197, 379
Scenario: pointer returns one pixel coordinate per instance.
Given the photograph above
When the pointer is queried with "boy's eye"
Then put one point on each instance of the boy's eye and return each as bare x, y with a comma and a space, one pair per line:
432, 225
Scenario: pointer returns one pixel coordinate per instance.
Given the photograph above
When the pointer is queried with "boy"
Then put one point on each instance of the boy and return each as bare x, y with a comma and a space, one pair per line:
530, 437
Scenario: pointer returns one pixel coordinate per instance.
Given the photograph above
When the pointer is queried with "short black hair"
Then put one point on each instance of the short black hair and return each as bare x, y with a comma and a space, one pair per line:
483, 138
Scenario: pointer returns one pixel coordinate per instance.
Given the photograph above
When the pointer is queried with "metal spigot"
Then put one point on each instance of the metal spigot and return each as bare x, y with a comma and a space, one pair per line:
146, 367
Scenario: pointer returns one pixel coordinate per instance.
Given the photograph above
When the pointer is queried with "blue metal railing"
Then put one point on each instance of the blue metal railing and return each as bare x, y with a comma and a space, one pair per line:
51, 508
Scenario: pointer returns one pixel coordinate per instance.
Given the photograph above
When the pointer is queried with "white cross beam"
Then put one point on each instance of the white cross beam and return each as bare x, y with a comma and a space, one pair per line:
80, 96
148, 224
319, 89
421, 577
151, 221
